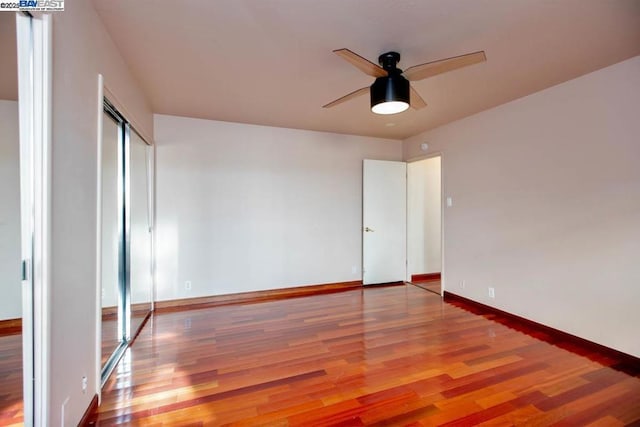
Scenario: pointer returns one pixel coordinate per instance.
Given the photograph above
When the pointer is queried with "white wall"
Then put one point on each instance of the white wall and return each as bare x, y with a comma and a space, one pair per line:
10, 280
81, 50
244, 207
424, 216
546, 205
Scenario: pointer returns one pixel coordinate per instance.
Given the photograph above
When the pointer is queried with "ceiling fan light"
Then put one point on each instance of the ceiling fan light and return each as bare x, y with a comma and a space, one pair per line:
390, 107
390, 94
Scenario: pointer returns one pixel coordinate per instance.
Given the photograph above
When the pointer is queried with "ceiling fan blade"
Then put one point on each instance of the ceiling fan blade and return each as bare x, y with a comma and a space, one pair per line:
347, 97
361, 63
416, 100
430, 69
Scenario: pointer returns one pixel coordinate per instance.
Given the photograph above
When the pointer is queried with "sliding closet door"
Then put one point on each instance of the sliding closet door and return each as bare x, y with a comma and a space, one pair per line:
126, 236
140, 278
113, 335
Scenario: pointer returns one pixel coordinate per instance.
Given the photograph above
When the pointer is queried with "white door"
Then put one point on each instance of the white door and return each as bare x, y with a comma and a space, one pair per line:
384, 216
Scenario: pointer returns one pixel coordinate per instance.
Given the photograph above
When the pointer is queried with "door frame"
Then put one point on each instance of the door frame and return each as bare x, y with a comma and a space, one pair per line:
34, 54
122, 191
442, 217
108, 102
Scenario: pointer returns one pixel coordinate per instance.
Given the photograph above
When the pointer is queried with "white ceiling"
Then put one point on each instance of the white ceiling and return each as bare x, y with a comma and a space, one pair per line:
270, 62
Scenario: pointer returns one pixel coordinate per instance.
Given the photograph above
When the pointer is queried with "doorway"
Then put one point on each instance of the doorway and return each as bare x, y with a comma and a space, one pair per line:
25, 142
11, 311
424, 223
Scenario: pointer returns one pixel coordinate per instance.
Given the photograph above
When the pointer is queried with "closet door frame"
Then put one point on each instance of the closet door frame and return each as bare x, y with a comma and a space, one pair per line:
122, 194
124, 244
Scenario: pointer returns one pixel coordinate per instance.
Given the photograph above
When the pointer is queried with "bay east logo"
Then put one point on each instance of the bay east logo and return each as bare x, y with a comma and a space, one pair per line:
33, 5
42, 4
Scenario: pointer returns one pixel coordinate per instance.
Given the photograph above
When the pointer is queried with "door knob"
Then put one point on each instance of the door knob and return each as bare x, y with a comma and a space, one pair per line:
368, 230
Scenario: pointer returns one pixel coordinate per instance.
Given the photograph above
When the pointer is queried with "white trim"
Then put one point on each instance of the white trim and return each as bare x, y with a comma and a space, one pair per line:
25, 105
98, 348
424, 157
34, 65
152, 222
122, 109
442, 219
42, 30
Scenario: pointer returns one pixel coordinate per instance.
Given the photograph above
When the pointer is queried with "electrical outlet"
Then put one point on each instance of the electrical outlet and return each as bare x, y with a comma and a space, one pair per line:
187, 285
462, 284
492, 292
84, 384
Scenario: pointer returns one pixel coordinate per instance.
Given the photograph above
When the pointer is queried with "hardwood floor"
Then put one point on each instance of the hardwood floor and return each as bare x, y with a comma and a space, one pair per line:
11, 406
377, 356
110, 340
110, 337
429, 285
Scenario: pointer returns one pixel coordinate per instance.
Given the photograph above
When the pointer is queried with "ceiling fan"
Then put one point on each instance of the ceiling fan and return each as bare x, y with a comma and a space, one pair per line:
391, 92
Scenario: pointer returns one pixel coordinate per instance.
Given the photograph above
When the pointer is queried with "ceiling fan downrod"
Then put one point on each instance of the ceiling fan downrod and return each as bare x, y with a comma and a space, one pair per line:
389, 61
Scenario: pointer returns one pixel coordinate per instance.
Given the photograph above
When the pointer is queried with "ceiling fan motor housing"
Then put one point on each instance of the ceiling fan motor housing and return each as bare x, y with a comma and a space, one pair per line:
392, 88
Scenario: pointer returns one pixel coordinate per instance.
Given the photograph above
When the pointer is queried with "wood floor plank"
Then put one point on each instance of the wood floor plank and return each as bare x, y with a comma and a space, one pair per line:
379, 356
11, 406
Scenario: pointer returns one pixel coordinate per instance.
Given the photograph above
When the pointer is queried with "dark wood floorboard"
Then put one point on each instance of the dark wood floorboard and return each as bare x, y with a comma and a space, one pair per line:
11, 405
377, 356
110, 338
429, 285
